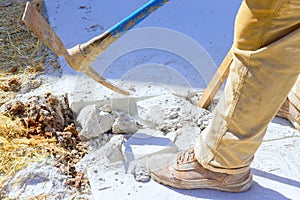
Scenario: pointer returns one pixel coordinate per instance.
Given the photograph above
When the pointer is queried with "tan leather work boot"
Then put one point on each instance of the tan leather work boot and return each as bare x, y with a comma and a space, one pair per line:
184, 171
290, 112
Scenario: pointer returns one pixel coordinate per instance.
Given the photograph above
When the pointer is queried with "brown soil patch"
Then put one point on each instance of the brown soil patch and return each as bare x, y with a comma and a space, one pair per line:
40, 127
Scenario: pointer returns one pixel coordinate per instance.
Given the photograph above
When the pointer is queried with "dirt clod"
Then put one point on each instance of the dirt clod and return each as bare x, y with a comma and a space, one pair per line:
12, 84
49, 116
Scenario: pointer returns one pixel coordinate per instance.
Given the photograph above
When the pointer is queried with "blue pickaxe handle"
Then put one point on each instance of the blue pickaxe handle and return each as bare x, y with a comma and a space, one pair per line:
82, 56
97, 45
136, 17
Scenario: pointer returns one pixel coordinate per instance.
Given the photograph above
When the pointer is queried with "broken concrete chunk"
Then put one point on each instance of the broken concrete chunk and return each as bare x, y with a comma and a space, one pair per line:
169, 112
140, 173
114, 148
124, 124
106, 121
93, 122
87, 120
110, 153
106, 108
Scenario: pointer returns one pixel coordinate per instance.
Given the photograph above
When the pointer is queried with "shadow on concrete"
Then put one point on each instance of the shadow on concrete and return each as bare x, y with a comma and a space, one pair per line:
141, 145
275, 177
282, 121
256, 191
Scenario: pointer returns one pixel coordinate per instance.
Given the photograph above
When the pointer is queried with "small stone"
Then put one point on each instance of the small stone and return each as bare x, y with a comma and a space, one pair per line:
105, 137
106, 108
140, 173
200, 122
179, 125
124, 125
103, 142
173, 115
88, 120
93, 122
106, 121
113, 149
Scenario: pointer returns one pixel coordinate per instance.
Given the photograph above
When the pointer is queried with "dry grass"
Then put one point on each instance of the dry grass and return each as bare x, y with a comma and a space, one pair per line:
16, 150
21, 53
20, 49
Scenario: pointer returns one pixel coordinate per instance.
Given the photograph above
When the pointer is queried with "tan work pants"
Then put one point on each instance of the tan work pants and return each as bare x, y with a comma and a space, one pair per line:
265, 67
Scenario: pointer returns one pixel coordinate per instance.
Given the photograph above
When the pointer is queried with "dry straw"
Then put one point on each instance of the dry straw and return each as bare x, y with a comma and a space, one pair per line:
20, 53
20, 49
17, 150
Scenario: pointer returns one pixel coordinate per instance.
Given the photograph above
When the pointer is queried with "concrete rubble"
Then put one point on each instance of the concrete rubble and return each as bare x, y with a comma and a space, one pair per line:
116, 163
91, 128
169, 113
109, 153
94, 121
124, 124
126, 141
162, 121
166, 124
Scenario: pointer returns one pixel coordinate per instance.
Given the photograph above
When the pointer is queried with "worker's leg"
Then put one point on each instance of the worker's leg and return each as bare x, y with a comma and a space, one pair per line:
266, 55
265, 67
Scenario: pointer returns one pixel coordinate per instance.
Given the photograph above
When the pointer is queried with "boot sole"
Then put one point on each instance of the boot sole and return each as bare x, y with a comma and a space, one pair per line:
208, 184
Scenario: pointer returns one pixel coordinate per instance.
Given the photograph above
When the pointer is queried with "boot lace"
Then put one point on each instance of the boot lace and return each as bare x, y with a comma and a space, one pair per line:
186, 156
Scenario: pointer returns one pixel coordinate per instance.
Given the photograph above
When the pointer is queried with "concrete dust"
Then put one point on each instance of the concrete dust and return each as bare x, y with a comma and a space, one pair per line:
41, 179
170, 113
